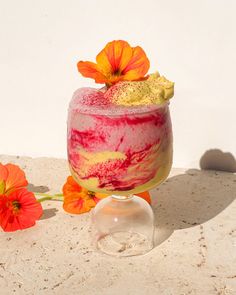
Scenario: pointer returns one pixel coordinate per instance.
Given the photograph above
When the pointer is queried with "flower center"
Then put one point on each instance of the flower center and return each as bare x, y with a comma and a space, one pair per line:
91, 194
16, 206
116, 72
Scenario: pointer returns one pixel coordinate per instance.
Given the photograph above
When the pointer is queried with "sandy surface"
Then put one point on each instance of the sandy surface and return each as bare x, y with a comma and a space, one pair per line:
195, 249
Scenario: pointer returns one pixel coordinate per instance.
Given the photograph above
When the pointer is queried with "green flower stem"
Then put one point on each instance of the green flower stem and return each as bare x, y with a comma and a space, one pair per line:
47, 197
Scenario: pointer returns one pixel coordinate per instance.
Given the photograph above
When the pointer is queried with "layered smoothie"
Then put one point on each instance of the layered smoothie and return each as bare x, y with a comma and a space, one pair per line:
120, 138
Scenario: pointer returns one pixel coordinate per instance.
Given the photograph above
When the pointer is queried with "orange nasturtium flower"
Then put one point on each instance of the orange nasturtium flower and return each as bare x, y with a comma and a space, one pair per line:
118, 61
19, 208
11, 178
80, 200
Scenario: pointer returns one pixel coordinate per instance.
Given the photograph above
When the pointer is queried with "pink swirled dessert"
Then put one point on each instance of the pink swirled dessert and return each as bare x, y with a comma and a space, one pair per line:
120, 136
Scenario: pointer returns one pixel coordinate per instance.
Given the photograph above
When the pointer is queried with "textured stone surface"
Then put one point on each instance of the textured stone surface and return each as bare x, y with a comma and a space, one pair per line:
195, 249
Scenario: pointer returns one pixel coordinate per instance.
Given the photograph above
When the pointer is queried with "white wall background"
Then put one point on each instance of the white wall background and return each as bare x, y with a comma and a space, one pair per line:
191, 42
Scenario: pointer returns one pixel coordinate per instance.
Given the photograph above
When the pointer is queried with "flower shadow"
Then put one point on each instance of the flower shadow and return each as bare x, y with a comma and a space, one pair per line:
190, 199
48, 213
38, 189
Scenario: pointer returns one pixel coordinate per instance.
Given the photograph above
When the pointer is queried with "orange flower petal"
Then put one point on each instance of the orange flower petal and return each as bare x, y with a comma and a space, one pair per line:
78, 206
71, 187
73, 206
91, 70
138, 65
146, 196
15, 179
113, 59
101, 195
3, 172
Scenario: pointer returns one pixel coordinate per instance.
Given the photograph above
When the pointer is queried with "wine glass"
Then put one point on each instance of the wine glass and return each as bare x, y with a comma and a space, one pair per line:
119, 151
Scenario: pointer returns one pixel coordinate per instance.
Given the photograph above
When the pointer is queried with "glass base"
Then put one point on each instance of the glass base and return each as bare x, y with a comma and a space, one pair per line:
124, 244
123, 226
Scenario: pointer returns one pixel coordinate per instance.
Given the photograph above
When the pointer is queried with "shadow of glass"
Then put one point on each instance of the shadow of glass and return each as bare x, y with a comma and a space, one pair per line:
215, 159
191, 199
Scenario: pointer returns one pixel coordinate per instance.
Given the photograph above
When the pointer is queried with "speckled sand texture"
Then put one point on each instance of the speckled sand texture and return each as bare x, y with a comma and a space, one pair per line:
195, 249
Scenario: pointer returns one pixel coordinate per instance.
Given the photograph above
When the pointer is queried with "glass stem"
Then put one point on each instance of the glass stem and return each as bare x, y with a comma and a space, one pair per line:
119, 197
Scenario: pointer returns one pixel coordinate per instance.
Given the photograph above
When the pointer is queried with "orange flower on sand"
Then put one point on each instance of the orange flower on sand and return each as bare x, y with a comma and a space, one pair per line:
19, 210
118, 61
11, 178
80, 200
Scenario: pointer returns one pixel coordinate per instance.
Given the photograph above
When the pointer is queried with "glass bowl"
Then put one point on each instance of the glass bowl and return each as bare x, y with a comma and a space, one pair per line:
119, 151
